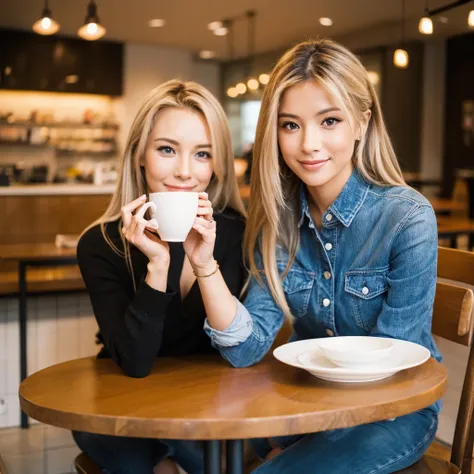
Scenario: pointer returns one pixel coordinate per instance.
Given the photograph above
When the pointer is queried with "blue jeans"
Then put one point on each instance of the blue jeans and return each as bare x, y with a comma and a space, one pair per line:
376, 448
122, 455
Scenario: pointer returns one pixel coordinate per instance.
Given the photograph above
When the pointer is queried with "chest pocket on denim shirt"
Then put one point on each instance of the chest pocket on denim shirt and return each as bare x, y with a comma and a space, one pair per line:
367, 293
297, 285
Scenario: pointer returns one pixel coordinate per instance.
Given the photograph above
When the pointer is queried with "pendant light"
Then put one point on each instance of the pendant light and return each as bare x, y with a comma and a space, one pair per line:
470, 18
401, 58
92, 29
425, 26
45, 25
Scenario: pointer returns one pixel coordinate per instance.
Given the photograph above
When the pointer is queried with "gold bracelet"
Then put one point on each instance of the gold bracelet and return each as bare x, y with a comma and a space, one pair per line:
210, 274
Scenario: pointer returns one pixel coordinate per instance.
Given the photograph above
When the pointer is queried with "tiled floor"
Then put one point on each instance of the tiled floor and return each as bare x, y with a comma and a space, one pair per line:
39, 450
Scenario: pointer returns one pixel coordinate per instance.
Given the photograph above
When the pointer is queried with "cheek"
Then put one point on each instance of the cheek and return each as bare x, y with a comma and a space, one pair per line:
157, 168
203, 172
340, 141
289, 144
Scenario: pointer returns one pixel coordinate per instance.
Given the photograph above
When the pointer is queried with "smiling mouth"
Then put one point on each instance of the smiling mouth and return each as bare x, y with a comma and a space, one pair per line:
179, 188
313, 162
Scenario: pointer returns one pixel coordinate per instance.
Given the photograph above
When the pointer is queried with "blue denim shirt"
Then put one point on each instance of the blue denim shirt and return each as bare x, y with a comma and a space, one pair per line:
369, 270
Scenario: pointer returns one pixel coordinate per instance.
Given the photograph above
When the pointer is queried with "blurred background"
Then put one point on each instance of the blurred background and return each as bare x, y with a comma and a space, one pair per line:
72, 76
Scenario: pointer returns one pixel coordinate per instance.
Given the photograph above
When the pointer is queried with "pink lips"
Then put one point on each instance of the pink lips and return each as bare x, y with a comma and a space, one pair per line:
313, 164
179, 188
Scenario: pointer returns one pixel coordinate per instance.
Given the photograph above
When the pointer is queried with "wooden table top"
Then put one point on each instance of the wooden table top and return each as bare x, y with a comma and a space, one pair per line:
203, 398
34, 251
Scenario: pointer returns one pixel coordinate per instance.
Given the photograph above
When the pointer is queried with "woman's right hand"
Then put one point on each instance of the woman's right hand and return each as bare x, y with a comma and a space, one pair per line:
141, 232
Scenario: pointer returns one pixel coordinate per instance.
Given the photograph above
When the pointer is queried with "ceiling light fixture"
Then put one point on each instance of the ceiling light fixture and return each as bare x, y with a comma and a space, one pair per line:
401, 59
156, 23
222, 31
206, 54
241, 88
325, 21
92, 29
264, 78
425, 26
214, 25
46, 25
252, 84
447, 7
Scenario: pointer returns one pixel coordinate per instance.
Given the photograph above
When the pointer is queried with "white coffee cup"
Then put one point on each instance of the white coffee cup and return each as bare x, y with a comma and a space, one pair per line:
175, 213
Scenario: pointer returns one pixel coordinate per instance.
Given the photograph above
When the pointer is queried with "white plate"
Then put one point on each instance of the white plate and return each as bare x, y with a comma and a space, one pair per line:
307, 355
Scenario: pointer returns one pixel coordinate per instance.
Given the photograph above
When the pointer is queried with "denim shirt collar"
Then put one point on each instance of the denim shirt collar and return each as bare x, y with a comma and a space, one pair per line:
346, 205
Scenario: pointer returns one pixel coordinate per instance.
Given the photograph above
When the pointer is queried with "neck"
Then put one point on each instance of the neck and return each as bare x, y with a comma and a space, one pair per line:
321, 197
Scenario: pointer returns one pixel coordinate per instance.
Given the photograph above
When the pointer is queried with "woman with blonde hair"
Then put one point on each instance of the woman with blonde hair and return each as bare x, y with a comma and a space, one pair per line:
147, 294
336, 243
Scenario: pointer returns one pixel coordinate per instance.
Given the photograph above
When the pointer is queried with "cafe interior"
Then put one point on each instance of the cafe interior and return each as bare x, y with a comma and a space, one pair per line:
72, 77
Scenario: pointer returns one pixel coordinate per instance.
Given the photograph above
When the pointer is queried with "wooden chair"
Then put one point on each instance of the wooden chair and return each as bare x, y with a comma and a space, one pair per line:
453, 319
85, 465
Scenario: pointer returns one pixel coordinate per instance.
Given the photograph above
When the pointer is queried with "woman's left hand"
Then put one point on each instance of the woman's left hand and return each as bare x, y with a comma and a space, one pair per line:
199, 245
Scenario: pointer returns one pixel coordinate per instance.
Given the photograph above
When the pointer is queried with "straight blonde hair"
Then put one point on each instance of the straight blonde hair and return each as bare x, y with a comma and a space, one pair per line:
274, 206
223, 189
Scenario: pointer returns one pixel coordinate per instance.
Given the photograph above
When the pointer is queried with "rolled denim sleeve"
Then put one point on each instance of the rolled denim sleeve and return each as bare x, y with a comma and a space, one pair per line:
239, 330
266, 319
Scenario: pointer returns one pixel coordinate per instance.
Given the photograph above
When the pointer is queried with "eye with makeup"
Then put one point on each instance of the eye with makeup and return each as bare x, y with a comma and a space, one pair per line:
289, 125
331, 122
203, 155
165, 150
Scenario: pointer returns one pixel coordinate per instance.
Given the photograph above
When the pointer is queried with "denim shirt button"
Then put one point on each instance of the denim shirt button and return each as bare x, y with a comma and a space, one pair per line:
326, 302
329, 332
328, 246
365, 291
327, 275
329, 217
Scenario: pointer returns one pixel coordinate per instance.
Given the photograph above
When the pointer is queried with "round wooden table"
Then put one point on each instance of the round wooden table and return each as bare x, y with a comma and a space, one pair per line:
202, 398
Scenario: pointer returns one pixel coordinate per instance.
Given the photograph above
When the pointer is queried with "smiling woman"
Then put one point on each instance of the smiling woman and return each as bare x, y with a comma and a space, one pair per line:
147, 294
337, 244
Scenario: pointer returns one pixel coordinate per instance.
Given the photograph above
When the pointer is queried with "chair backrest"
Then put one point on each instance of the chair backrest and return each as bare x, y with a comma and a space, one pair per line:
453, 319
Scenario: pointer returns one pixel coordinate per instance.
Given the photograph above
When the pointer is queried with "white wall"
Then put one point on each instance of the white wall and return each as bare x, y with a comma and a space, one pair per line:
147, 66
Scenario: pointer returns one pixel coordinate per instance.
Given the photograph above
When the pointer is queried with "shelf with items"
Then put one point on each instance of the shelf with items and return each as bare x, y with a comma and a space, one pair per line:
24, 123
67, 138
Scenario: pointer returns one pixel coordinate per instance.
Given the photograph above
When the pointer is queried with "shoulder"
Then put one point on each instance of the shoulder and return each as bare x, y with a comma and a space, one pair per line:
398, 194
93, 242
230, 222
400, 200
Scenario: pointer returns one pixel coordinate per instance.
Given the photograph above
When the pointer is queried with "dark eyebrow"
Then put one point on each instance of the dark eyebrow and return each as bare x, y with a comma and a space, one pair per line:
322, 112
174, 142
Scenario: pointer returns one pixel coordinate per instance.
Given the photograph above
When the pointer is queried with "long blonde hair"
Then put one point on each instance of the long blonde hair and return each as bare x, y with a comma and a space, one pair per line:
223, 189
274, 205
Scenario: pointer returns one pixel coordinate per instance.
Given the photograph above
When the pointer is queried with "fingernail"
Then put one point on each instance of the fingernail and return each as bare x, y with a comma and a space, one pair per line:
153, 207
154, 223
143, 196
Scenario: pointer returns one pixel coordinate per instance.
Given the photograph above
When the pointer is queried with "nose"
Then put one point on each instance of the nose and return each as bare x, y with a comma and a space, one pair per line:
183, 168
312, 140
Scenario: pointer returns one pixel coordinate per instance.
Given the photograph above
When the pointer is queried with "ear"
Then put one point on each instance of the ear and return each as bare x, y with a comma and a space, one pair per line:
365, 123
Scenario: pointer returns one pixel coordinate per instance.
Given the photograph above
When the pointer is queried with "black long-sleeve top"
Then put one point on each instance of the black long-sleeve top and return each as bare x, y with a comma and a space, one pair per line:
136, 327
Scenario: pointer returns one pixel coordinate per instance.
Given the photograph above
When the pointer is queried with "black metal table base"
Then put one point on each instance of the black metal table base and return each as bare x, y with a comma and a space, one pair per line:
23, 310
234, 457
